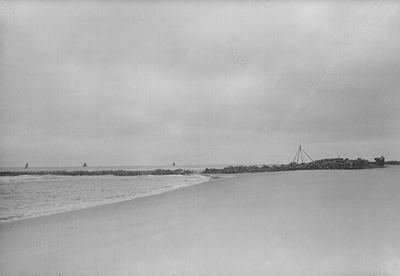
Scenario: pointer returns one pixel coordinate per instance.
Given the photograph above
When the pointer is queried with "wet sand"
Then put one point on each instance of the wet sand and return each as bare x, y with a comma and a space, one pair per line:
282, 223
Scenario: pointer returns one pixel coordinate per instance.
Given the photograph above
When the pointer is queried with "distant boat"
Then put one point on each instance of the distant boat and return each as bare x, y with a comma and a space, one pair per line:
26, 165
173, 164
84, 165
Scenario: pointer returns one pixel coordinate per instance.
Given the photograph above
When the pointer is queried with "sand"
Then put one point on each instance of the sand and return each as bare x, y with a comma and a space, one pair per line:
283, 223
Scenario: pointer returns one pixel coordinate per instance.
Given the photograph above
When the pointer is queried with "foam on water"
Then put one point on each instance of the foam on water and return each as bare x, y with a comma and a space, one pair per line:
31, 196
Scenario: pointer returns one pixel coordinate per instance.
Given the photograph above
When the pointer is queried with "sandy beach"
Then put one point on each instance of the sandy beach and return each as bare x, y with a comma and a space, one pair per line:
283, 223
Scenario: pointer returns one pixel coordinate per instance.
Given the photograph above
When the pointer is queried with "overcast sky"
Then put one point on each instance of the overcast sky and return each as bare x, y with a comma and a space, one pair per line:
210, 82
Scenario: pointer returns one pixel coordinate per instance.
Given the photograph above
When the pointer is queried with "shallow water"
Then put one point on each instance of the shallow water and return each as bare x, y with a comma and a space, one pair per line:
28, 196
31, 196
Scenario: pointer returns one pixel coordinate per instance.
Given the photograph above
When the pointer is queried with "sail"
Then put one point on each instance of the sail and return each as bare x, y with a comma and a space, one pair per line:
26, 165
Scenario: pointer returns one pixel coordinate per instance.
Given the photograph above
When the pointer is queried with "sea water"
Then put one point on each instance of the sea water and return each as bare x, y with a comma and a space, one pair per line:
27, 196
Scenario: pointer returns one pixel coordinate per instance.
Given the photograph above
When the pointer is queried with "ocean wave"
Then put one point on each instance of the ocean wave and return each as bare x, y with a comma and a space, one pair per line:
32, 196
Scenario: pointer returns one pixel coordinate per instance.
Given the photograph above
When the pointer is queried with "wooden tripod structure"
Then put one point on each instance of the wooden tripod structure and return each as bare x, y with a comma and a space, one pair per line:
300, 153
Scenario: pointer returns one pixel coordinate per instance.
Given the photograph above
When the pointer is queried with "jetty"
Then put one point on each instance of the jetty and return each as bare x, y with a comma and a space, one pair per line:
295, 165
104, 172
323, 164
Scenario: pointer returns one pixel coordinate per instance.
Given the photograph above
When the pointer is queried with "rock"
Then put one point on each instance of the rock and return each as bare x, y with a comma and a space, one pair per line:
105, 172
380, 161
323, 164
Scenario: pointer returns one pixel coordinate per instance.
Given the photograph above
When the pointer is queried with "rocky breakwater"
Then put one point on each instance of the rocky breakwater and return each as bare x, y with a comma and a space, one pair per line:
105, 172
323, 164
393, 162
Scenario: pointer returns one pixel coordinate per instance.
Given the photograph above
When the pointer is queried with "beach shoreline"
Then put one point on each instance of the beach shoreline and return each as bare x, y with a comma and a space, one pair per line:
285, 223
30, 204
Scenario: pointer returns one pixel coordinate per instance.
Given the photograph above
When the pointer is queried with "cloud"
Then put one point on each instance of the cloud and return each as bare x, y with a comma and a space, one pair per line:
224, 81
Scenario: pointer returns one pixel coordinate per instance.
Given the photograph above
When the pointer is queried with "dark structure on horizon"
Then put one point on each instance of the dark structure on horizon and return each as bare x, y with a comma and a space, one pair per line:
103, 172
380, 161
323, 164
300, 153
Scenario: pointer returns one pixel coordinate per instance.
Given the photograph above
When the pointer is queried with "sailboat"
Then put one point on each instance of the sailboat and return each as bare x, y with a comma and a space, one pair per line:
84, 165
173, 164
26, 165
